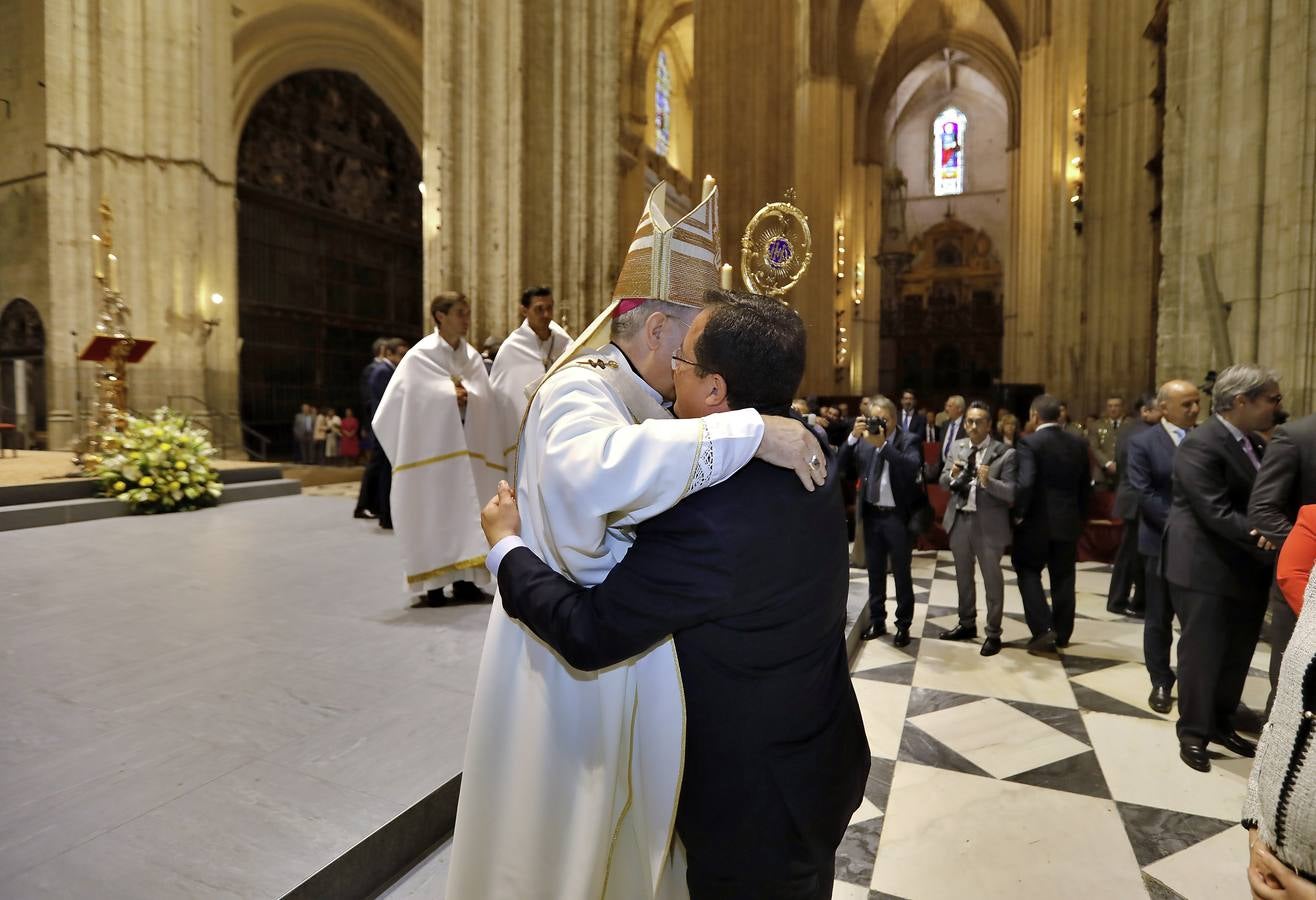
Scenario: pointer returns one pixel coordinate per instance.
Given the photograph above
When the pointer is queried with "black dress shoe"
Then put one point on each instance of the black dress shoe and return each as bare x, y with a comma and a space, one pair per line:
960, 633
1043, 643
466, 592
990, 647
1159, 699
1236, 743
363, 514
902, 638
1118, 609
1136, 612
432, 600
1062, 643
874, 630
1195, 757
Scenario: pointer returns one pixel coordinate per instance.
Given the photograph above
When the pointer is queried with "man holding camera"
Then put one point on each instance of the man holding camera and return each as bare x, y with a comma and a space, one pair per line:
980, 475
886, 459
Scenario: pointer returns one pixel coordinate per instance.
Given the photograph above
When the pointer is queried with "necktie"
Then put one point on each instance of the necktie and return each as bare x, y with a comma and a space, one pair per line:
873, 485
950, 438
1251, 453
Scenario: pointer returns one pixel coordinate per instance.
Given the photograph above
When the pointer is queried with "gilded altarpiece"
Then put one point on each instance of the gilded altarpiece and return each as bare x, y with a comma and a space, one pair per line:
942, 327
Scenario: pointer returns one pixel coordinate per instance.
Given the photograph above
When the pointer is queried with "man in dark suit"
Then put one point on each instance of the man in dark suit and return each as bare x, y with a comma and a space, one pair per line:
380, 470
1050, 506
887, 461
1151, 471
1127, 594
365, 495
1218, 570
750, 577
910, 419
1286, 481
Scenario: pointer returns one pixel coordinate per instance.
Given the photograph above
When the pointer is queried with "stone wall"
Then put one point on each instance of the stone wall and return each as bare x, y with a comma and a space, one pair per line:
1240, 190
24, 254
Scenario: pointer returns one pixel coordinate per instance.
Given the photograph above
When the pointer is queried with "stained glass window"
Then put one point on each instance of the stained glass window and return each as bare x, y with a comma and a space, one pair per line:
948, 152
662, 105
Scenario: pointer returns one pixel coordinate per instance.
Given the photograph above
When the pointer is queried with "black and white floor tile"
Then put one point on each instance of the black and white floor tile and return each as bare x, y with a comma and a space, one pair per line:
1032, 776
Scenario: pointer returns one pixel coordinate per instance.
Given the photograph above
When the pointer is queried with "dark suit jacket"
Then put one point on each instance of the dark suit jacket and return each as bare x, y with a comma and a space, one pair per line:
903, 454
943, 428
1051, 498
1126, 498
918, 426
1150, 465
1207, 547
751, 578
1287, 479
377, 379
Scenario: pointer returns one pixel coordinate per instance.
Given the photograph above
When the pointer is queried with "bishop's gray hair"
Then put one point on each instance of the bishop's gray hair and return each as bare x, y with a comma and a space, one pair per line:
628, 324
883, 401
1248, 379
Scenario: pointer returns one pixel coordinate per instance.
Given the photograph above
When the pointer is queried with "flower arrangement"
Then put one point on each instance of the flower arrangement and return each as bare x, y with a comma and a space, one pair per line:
159, 464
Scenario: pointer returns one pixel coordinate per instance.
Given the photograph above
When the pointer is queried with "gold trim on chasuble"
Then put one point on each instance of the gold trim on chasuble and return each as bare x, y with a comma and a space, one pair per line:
473, 563
447, 456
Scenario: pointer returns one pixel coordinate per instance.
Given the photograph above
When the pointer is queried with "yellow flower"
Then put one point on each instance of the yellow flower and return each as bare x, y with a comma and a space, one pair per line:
173, 485
135, 455
180, 465
119, 485
147, 481
166, 446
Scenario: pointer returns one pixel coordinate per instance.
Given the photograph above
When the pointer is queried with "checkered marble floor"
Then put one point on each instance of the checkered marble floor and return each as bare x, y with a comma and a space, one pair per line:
1028, 776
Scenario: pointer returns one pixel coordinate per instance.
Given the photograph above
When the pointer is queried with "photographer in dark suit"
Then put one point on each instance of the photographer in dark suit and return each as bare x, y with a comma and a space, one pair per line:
1218, 570
750, 578
911, 421
1151, 473
1127, 591
1050, 507
887, 460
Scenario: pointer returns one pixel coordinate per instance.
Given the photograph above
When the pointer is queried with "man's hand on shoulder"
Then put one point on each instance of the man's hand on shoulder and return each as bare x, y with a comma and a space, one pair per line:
500, 517
789, 445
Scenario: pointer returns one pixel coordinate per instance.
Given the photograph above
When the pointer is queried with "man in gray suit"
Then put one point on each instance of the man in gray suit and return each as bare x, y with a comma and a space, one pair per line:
980, 476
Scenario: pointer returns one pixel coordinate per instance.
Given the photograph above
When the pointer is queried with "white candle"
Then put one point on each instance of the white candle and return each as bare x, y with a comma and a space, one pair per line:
726, 276
113, 281
98, 250
709, 183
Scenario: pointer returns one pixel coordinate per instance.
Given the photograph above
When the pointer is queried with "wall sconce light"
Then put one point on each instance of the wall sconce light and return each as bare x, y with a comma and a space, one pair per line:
1075, 169
842, 344
858, 290
839, 266
209, 325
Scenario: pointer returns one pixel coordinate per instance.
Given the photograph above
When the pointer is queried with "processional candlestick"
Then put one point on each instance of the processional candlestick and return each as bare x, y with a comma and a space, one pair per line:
112, 330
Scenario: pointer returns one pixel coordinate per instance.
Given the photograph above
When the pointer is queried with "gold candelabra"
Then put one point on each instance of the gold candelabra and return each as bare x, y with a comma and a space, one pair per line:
112, 346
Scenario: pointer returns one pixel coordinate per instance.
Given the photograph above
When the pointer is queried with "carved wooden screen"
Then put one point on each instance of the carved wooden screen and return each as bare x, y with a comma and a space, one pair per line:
329, 250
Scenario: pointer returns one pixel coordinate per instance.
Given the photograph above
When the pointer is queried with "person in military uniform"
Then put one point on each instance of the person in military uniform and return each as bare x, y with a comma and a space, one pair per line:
1103, 439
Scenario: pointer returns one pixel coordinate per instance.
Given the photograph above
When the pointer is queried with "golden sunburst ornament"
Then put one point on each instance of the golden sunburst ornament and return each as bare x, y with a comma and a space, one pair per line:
776, 248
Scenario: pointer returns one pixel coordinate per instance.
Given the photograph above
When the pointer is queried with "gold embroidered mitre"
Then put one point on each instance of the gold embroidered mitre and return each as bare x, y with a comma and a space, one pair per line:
675, 261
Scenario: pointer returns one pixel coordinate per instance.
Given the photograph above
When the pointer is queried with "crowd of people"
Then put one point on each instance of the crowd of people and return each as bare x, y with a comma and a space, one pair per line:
654, 488
322, 437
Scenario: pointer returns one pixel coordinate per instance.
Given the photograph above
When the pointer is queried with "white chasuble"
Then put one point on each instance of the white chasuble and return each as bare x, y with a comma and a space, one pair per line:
522, 361
571, 778
444, 471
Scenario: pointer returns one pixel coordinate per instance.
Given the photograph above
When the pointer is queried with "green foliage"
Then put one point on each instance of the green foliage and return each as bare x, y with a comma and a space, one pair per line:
159, 464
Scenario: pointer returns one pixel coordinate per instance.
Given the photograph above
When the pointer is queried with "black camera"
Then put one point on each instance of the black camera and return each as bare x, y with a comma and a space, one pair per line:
876, 424
963, 482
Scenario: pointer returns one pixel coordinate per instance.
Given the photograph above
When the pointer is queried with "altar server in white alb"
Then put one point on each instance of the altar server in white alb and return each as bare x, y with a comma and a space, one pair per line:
570, 781
440, 426
525, 357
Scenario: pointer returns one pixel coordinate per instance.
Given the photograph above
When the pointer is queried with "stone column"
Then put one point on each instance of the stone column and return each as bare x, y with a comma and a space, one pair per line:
521, 140
1119, 195
139, 113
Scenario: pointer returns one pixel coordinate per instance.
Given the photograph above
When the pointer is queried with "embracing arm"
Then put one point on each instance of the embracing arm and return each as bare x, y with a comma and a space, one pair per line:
674, 577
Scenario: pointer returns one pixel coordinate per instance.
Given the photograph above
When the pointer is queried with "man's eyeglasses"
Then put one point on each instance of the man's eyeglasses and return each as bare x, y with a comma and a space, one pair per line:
677, 359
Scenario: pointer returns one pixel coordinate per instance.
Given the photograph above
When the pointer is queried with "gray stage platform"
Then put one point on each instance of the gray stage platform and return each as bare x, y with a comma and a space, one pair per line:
222, 704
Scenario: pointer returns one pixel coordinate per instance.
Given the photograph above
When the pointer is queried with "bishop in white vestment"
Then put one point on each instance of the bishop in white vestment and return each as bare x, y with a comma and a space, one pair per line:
571, 779
445, 459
